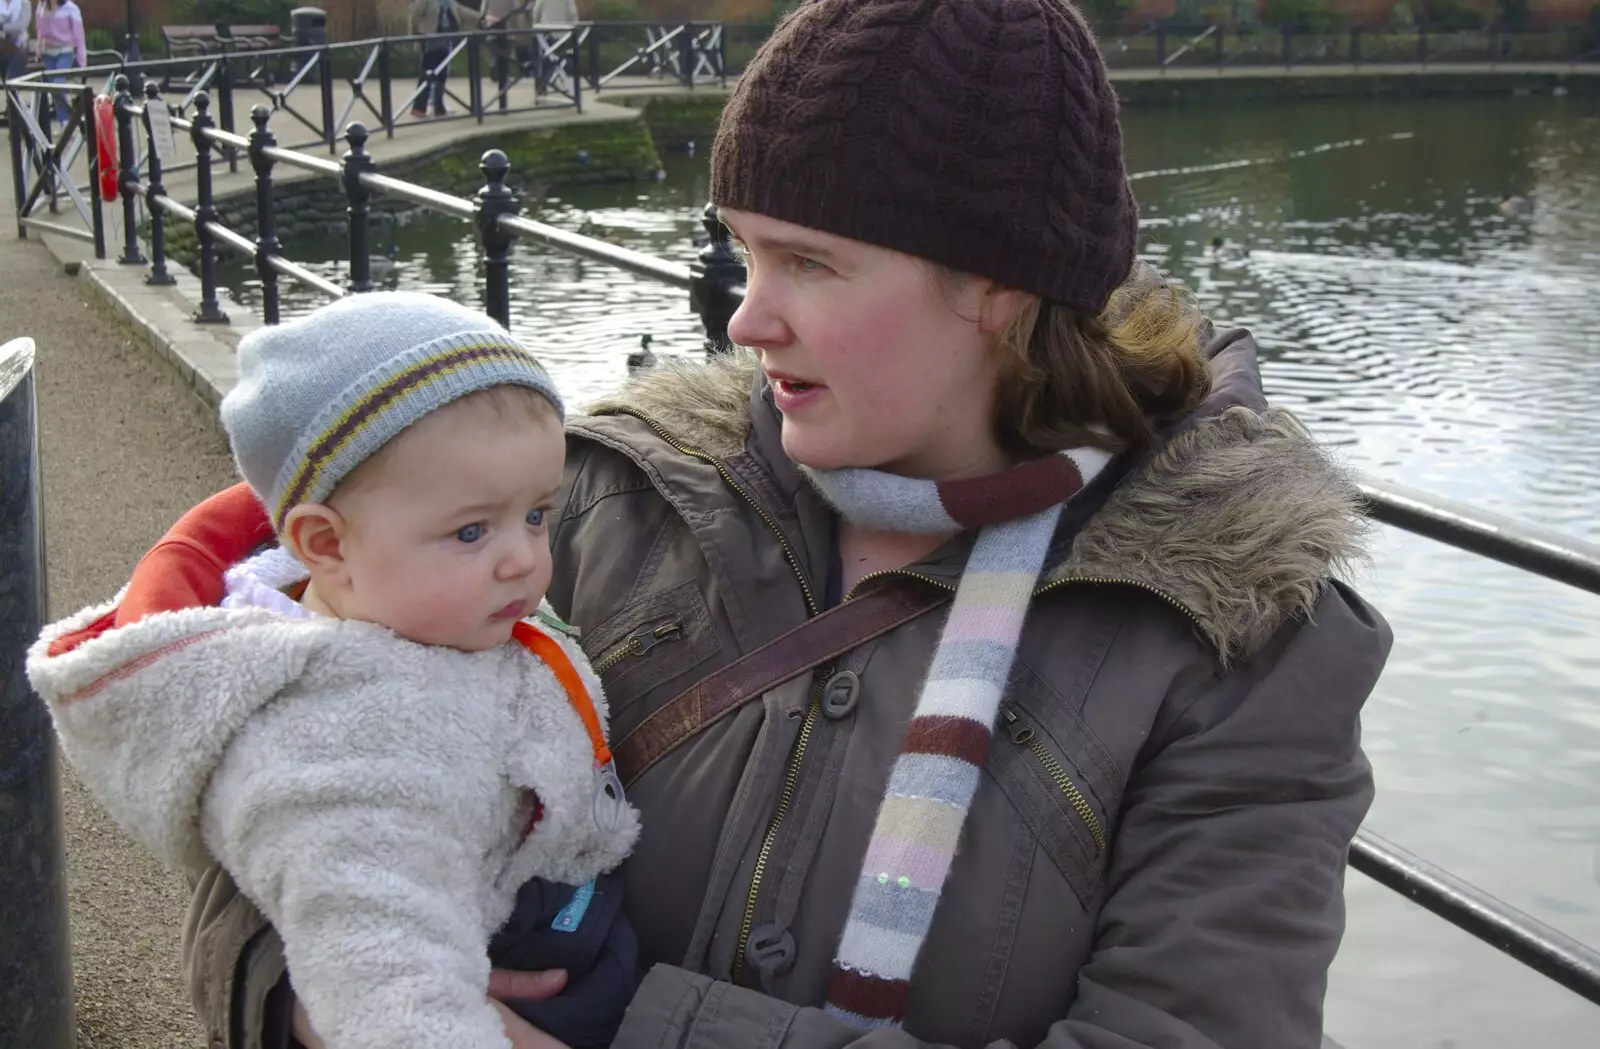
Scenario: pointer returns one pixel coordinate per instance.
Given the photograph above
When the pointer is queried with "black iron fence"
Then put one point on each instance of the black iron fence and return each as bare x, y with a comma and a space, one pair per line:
1177, 45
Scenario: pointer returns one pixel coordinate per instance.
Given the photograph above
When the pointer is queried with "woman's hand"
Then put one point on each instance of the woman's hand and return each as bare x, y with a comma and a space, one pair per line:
528, 986
523, 1034
503, 983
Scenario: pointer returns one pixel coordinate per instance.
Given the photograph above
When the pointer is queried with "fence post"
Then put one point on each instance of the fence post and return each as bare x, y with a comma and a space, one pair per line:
716, 271
36, 995
91, 131
357, 161
576, 48
1288, 47
158, 220
1355, 46
19, 177
385, 88
225, 103
261, 140
475, 76
1221, 51
330, 134
594, 58
493, 200
205, 213
127, 175
1422, 43
686, 52
1161, 47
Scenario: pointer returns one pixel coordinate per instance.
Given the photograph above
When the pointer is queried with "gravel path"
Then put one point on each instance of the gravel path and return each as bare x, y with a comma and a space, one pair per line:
127, 447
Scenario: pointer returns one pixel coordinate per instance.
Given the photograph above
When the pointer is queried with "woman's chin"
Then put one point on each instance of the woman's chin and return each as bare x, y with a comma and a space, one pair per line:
807, 446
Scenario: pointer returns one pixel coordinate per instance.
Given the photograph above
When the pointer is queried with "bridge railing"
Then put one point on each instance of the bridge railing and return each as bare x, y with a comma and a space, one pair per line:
1175, 44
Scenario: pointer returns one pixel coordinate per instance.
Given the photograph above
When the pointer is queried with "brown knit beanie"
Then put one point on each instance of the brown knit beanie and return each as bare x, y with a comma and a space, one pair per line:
978, 134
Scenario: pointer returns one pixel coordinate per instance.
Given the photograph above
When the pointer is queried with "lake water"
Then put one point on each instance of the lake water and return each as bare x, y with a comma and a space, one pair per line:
1433, 340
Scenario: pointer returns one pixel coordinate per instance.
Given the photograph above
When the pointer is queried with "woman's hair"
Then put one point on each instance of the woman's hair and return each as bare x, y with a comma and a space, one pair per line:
1071, 379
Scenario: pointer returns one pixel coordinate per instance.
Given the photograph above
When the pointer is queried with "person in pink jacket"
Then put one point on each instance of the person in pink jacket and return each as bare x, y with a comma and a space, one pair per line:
58, 41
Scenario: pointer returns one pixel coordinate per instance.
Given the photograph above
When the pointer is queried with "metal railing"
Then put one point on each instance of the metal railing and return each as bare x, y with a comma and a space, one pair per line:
478, 74
1174, 44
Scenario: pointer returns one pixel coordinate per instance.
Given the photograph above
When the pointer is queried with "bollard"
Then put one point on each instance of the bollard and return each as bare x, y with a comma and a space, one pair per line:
205, 213
128, 175
261, 140
493, 200
155, 191
715, 273
36, 963
358, 161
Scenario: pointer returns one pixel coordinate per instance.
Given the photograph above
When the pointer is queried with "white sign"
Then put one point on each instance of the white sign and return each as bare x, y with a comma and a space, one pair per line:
161, 132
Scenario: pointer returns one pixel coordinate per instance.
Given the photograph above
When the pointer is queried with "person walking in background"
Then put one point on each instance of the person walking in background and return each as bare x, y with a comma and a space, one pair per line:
550, 13
436, 20
511, 15
15, 17
59, 44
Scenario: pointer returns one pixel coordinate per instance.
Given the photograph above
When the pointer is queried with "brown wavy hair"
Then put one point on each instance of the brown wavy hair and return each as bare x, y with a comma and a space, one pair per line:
1110, 380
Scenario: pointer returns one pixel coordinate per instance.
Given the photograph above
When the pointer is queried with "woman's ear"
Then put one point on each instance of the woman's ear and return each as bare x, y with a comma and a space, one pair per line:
314, 533
1000, 306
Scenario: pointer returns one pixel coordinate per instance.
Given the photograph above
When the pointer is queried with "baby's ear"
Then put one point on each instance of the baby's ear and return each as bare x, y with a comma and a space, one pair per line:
313, 533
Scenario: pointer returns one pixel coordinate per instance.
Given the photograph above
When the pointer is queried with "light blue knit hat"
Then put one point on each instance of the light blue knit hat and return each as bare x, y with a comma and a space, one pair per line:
321, 394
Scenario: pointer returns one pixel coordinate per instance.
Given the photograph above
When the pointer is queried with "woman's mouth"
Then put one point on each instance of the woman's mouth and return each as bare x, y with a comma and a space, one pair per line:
791, 394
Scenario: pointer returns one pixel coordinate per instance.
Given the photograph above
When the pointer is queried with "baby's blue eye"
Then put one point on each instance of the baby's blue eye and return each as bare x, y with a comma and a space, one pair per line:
471, 533
536, 518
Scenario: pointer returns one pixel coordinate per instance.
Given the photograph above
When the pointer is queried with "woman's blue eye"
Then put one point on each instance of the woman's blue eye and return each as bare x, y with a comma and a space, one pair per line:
809, 265
470, 534
536, 518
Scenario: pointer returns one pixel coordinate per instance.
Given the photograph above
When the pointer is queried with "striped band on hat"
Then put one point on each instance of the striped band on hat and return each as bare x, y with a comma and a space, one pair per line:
382, 403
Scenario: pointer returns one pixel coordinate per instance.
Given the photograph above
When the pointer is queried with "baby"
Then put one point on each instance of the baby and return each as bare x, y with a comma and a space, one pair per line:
383, 734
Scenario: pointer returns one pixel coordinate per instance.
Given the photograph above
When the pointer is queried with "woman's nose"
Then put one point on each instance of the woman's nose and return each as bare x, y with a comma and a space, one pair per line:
756, 322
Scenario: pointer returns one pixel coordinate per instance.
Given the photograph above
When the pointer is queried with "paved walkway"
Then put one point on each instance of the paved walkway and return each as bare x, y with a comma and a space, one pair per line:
126, 450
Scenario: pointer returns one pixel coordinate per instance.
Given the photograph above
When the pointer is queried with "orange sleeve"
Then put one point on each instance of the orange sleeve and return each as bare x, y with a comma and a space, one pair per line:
184, 569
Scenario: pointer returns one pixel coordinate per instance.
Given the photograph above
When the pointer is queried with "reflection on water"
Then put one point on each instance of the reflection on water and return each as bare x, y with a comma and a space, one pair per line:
1435, 341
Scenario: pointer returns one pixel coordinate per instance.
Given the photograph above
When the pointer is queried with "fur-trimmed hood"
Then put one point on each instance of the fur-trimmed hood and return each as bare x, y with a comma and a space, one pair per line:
1238, 516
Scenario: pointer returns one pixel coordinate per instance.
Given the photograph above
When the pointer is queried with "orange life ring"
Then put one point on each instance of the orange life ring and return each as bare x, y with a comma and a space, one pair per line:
105, 134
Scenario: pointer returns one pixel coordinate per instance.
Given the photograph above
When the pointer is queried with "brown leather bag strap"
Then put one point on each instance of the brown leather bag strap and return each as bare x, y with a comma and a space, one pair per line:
816, 641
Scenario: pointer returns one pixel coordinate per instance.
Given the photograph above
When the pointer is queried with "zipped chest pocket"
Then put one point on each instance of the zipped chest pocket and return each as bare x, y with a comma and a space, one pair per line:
648, 646
1056, 796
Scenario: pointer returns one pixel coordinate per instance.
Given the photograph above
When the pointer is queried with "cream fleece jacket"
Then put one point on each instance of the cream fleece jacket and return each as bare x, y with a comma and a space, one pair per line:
371, 795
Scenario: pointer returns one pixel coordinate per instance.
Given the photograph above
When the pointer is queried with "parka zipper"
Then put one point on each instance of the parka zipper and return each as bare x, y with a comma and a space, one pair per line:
1023, 735
791, 777
638, 643
797, 753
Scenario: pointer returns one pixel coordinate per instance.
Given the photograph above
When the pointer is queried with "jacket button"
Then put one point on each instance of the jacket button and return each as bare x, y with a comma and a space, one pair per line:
770, 951
839, 695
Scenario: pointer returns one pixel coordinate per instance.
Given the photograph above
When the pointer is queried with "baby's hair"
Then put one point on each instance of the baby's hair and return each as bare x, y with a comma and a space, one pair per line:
493, 406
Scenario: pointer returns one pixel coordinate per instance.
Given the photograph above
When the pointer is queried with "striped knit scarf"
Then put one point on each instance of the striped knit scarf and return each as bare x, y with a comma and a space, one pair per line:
931, 785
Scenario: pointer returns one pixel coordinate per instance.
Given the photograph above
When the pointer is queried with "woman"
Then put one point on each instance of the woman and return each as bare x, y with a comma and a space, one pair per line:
58, 27
961, 383
437, 21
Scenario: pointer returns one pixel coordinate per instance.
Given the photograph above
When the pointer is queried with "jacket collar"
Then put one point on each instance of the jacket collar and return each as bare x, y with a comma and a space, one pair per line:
1237, 517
